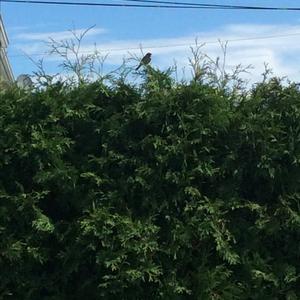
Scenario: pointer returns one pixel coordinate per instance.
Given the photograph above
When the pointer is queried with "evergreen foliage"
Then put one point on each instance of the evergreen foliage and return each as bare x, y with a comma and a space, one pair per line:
164, 190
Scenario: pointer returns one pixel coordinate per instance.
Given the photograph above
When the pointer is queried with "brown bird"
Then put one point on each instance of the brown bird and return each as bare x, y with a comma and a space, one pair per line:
145, 60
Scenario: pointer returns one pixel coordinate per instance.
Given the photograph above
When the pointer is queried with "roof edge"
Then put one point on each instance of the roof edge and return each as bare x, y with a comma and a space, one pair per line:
2, 29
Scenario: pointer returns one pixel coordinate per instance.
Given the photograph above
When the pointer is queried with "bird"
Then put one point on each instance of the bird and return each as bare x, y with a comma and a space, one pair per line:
145, 60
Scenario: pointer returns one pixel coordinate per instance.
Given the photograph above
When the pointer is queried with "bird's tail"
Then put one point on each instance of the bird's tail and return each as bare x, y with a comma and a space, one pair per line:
138, 67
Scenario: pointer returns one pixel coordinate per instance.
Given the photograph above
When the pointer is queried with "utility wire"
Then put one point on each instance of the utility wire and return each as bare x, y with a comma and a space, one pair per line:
170, 6
173, 45
212, 5
106, 4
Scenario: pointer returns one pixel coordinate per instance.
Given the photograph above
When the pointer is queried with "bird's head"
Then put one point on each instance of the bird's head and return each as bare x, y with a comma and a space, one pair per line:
148, 54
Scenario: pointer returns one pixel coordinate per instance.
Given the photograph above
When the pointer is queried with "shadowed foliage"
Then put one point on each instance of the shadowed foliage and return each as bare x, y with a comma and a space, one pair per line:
160, 191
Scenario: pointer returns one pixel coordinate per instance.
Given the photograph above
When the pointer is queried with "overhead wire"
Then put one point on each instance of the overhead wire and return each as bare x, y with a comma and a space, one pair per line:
172, 45
105, 4
161, 4
158, 4
227, 6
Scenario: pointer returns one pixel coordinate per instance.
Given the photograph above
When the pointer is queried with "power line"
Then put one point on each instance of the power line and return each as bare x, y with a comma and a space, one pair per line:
157, 5
174, 45
190, 4
222, 6
105, 4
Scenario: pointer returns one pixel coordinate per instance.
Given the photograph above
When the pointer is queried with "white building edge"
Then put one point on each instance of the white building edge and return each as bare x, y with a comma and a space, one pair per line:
6, 73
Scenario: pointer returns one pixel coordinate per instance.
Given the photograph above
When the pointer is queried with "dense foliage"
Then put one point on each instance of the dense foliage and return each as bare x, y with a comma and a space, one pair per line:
159, 191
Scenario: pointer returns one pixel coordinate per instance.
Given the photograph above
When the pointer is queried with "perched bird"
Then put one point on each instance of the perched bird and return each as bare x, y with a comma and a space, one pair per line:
145, 60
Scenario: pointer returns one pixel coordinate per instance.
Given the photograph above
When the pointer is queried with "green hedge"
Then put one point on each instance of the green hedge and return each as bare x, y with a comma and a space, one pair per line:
157, 191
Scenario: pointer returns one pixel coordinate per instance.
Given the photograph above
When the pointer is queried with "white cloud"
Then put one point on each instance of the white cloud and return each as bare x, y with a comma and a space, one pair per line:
247, 44
58, 35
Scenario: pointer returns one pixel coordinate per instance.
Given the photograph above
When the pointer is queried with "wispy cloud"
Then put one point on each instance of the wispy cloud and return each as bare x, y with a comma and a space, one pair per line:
58, 35
247, 44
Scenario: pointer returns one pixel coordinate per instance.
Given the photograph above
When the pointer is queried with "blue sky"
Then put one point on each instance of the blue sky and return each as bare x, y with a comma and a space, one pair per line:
29, 26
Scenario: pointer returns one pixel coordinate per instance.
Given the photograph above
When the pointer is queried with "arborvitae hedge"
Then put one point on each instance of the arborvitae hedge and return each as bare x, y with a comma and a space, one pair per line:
161, 191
